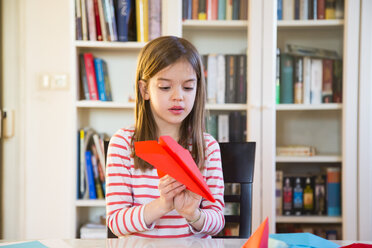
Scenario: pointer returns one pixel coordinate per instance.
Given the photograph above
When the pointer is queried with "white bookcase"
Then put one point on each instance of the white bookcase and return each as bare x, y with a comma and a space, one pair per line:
257, 37
331, 128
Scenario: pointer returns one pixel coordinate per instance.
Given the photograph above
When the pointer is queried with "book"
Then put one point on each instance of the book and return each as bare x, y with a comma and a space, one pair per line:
123, 8
142, 16
84, 21
241, 79
84, 89
195, 9
155, 18
82, 184
212, 79
223, 128
235, 9
295, 150
107, 81
279, 9
277, 81
91, 76
97, 20
321, 9
102, 20
286, 78
93, 231
98, 66
298, 50
327, 83
221, 78
339, 9
316, 81
279, 192
306, 79
229, 9
304, 10
298, 83
333, 191
212, 9
91, 20
168, 157
230, 88
186, 9
79, 34
330, 9
243, 14
97, 183
211, 126
288, 9
337, 81
90, 175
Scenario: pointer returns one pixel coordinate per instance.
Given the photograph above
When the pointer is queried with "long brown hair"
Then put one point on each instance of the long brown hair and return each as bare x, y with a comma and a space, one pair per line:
154, 57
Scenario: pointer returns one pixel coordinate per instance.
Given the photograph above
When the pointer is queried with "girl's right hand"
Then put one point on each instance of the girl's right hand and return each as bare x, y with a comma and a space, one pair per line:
169, 188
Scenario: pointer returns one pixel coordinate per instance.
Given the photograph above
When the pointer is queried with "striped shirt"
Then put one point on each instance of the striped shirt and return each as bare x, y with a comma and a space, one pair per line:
129, 189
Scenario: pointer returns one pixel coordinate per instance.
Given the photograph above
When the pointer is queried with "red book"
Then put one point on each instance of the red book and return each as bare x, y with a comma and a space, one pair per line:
168, 157
321, 9
98, 23
91, 76
327, 93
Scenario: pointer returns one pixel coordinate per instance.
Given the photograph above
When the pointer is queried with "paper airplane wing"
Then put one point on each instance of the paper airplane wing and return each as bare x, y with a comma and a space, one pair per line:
260, 238
185, 160
165, 163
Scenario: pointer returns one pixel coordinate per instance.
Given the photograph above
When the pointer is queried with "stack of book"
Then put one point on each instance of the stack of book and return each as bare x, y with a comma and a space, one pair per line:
214, 9
94, 78
310, 9
228, 127
93, 231
308, 76
118, 20
226, 78
91, 164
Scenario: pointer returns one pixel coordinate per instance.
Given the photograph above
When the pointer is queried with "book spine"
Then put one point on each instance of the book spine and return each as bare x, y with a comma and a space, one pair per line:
221, 9
142, 20
78, 179
209, 9
97, 21
315, 9
235, 134
280, 9
221, 84
84, 19
91, 20
230, 79
279, 192
97, 184
211, 124
288, 9
310, 9
235, 14
297, 9
337, 81
229, 9
79, 34
339, 9
100, 79
202, 10
155, 18
212, 79
304, 9
243, 15
321, 9
83, 177
107, 81
186, 9
286, 78
132, 25
195, 11
316, 81
90, 175
123, 10
327, 93
306, 79
223, 128
277, 83
242, 79
102, 20
83, 78
89, 68
333, 191
298, 85
113, 21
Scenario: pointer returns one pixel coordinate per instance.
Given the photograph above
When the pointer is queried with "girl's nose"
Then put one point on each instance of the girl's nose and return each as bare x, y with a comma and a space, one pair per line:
177, 94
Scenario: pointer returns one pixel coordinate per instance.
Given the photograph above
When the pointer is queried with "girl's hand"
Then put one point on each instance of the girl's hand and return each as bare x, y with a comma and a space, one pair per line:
169, 188
186, 203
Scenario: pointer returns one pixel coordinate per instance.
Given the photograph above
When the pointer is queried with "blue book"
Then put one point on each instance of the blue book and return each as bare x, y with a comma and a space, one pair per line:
107, 81
333, 191
98, 67
221, 9
123, 8
280, 10
78, 196
90, 175
236, 7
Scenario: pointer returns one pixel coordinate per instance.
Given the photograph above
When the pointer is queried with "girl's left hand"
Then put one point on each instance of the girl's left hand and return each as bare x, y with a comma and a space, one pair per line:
186, 203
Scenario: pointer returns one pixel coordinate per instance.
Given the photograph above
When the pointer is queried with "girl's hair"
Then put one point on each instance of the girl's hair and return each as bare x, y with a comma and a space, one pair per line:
154, 57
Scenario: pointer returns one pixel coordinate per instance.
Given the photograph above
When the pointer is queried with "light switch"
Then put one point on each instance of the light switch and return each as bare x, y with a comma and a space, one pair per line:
8, 122
59, 82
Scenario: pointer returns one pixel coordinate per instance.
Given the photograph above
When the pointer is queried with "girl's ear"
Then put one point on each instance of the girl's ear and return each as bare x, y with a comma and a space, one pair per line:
143, 90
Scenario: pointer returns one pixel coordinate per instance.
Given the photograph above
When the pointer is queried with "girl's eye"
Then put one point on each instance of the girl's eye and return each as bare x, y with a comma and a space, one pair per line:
164, 87
188, 88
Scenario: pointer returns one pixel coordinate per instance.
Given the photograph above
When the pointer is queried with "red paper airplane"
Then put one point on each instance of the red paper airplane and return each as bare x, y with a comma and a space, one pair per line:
260, 238
168, 157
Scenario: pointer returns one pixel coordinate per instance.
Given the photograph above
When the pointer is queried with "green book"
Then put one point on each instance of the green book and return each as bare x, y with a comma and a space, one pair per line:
286, 78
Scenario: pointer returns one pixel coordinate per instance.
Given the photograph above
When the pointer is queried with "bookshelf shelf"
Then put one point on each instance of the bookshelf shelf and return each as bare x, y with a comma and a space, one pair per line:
310, 24
296, 107
90, 203
102, 104
312, 159
215, 24
109, 45
226, 106
309, 219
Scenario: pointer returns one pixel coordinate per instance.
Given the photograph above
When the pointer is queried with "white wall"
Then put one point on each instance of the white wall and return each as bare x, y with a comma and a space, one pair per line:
45, 163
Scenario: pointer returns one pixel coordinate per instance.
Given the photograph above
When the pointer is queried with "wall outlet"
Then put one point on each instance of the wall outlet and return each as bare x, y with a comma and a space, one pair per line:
59, 82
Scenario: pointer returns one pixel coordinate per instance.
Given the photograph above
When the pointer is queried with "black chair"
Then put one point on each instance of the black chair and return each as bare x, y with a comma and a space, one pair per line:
238, 167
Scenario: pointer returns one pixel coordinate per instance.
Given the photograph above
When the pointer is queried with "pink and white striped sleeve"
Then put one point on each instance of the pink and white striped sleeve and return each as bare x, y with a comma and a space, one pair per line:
123, 216
214, 218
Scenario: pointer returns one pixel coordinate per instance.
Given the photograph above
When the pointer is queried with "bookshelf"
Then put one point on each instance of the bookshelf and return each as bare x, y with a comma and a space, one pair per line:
329, 127
258, 38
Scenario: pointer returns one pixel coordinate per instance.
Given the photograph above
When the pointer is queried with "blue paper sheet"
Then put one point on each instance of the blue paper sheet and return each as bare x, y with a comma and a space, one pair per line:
303, 240
33, 244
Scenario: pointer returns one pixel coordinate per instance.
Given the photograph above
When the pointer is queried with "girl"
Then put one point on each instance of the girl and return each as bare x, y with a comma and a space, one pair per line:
170, 100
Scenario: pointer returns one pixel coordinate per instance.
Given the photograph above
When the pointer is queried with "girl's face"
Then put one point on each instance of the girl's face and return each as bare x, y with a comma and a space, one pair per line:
171, 93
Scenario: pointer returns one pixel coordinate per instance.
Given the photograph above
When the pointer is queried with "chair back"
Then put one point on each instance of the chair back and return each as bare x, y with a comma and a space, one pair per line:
238, 167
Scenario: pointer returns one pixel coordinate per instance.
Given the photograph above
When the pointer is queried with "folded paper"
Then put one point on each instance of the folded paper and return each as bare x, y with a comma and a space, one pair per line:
260, 238
168, 157
303, 240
